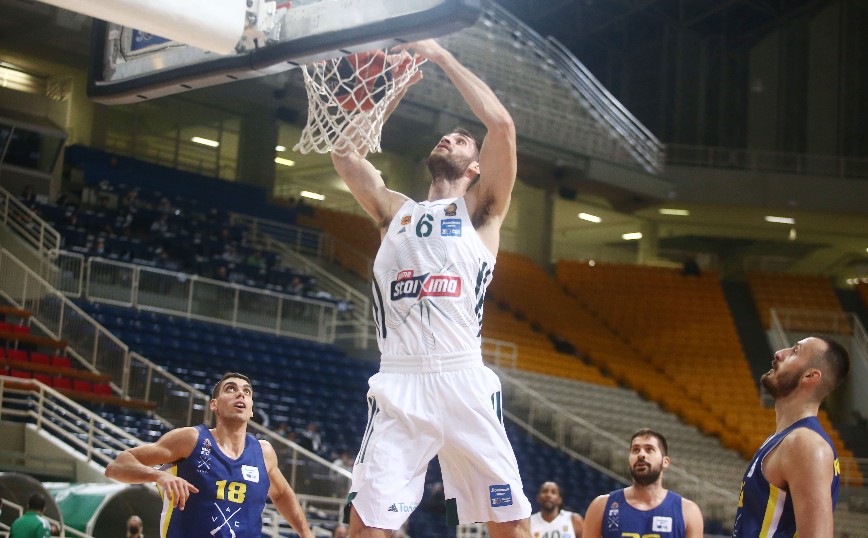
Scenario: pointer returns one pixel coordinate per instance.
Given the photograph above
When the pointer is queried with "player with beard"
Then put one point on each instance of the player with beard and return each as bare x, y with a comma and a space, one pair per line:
644, 508
433, 395
791, 484
551, 521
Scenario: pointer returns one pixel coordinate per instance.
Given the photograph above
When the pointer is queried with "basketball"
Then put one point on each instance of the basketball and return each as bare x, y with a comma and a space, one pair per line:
360, 80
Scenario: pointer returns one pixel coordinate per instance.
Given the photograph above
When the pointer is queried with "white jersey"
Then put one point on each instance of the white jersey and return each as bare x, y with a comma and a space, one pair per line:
560, 527
430, 277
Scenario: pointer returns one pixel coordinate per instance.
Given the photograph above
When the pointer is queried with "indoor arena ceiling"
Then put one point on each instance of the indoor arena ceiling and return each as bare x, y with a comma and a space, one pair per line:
591, 29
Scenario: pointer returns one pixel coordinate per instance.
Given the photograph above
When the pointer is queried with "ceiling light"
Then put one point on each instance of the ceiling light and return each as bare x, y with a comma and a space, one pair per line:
205, 141
780, 220
590, 218
674, 212
632, 236
312, 195
284, 162
279, 148
13, 78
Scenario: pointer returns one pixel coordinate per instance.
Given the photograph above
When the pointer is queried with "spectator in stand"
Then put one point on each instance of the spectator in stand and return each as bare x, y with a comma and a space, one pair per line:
340, 531
32, 524
311, 438
134, 527
28, 197
256, 259
345, 460
160, 225
165, 206
99, 248
296, 286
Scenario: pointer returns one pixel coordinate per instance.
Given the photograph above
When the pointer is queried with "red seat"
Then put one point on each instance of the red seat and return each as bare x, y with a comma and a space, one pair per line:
2, 352
17, 354
45, 378
19, 373
62, 383
40, 358
102, 388
5, 326
60, 361
21, 329
80, 385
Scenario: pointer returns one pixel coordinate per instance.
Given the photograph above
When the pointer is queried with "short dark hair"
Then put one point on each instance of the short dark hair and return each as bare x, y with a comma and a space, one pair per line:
560, 492
36, 502
648, 432
837, 362
227, 375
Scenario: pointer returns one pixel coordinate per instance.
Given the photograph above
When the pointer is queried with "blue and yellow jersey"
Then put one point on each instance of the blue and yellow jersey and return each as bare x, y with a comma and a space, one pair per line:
232, 493
765, 511
620, 520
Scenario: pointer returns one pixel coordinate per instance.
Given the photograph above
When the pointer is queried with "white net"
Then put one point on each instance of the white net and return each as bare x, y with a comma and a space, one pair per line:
349, 98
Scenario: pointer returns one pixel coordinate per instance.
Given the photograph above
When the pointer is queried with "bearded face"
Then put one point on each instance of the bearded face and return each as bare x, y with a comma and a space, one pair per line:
646, 460
780, 384
448, 165
645, 473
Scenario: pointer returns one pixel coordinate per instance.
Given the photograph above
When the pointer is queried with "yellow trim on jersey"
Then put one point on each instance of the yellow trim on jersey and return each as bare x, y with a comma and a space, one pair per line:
769, 519
168, 506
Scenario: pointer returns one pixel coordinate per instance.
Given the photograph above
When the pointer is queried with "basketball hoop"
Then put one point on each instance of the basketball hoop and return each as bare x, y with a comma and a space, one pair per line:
349, 98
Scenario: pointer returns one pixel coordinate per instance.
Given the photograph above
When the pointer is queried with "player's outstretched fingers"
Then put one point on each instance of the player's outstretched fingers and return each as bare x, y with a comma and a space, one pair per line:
187, 489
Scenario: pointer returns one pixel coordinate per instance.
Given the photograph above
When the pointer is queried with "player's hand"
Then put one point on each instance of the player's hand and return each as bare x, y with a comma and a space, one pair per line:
427, 49
176, 488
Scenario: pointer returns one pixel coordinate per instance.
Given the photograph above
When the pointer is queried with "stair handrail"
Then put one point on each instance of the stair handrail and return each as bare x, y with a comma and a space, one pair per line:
27, 224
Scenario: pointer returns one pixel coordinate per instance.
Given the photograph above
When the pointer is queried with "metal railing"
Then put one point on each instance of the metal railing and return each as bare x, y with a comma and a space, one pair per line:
766, 161
94, 347
598, 448
500, 353
854, 472
562, 108
800, 320
195, 297
7, 506
302, 240
286, 240
318, 483
33, 230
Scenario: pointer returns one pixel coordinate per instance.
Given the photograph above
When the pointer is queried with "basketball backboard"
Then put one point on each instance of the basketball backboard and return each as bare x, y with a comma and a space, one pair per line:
129, 66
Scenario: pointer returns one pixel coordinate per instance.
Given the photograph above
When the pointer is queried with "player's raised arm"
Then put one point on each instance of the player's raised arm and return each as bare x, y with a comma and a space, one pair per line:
136, 465
497, 157
362, 178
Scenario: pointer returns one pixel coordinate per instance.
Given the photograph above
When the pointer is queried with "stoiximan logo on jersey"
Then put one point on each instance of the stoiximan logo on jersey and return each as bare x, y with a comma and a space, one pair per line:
501, 495
408, 286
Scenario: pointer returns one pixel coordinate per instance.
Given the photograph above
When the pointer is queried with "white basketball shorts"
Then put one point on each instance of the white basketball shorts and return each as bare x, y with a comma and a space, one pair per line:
455, 414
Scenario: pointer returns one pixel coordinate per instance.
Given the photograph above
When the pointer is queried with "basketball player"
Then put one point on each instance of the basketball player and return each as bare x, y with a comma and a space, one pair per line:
433, 395
551, 521
216, 480
645, 508
792, 481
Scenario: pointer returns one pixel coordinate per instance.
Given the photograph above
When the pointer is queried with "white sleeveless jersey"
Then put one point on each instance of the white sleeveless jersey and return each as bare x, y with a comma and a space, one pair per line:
560, 527
430, 277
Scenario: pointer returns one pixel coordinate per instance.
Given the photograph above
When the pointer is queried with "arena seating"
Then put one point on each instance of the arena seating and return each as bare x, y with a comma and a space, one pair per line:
358, 235
536, 352
682, 324
813, 296
298, 381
